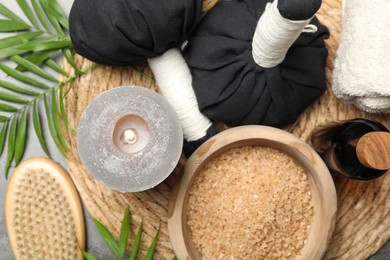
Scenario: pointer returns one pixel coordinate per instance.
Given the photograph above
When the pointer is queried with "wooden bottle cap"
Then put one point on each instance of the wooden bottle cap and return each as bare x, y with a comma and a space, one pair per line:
373, 150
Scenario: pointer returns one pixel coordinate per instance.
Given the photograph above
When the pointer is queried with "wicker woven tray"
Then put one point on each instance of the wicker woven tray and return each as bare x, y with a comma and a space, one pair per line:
363, 221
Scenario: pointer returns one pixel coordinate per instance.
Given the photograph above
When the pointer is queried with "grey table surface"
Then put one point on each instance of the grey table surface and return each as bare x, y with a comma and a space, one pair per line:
95, 244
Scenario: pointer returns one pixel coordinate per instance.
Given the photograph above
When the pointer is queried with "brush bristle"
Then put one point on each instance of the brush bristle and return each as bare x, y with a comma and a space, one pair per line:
41, 218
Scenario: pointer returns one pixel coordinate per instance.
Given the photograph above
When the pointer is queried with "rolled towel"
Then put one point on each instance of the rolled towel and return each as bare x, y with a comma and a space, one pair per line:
361, 74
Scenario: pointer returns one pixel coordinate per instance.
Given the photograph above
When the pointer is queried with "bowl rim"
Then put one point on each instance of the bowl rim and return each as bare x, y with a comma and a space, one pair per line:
254, 135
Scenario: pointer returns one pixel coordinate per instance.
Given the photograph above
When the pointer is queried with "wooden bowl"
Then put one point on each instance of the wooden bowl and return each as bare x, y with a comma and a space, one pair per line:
320, 182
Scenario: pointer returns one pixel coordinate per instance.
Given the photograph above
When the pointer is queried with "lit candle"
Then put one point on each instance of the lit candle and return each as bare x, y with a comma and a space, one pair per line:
130, 138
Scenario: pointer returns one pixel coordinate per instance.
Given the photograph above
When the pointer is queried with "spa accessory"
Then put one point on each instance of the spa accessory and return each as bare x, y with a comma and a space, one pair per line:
43, 213
361, 73
321, 184
360, 149
256, 62
129, 138
122, 32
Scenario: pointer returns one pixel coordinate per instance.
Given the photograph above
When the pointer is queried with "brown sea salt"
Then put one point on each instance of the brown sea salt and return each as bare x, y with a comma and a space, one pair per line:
250, 203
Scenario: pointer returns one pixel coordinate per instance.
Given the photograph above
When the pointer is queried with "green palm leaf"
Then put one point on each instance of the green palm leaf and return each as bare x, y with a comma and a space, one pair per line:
137, 243
9, 14
15, 88
41, 44
12, 26
23, 77
57, 12
8, 108
40, 15
52, 128
37, 58
51, 15
20, 141
11, 145
38, 128
33, 68
62, 110
17, 39
53, 65
3, 134
12, 98
27, 11
88, 256
124, 234
152, 248
68, 56
56, 121
107, 237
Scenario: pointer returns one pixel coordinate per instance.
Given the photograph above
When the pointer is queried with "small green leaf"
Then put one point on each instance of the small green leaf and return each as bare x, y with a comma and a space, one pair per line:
136, 243
143, 74
38, 128
40, 15
88, 256
8, 108
56, 120
62, 110
124, 234
12, 98
11, 26
17, 89
152, 248
52, 64
52, 129
23, 77
7, 52
37, 58
11, 145
27, 11
175, 258
69, 57
33, 68
3, 134
51, 15
17, 39
43, 44
40, 44
4, 118
59, 13
11, 15
20, 142
107, 237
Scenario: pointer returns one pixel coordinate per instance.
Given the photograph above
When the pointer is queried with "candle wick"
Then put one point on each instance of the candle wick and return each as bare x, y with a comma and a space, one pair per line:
129, 136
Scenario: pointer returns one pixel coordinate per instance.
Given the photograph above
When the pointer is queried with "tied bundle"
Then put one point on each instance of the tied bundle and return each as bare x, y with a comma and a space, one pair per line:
125, 31
257, 62
361, 74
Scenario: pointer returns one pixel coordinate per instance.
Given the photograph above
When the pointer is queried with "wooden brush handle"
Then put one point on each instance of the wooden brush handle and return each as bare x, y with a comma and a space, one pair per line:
373, 150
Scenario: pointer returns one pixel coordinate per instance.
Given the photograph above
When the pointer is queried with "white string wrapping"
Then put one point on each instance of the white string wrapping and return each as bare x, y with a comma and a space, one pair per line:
175, 82
274, 35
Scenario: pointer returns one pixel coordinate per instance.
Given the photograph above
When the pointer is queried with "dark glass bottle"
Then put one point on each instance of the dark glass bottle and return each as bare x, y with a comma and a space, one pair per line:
360, 150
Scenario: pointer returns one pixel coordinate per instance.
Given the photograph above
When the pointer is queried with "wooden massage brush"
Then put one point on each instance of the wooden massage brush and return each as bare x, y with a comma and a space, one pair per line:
43, 213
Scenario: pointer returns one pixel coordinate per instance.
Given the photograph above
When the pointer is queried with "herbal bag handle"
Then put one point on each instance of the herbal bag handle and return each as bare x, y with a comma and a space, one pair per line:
175, 82
279, 27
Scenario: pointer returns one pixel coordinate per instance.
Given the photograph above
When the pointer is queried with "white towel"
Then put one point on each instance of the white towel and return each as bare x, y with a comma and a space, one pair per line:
362, 67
